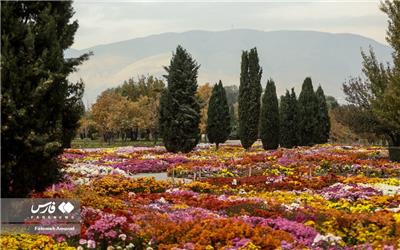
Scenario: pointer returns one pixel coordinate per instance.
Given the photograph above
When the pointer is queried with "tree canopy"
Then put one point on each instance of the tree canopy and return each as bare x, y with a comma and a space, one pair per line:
374, 103
219, 120
40, 108
180, 109
269, 129
249, 98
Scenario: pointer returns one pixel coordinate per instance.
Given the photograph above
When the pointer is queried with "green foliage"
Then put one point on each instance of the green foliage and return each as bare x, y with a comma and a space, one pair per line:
99, 143
149, 86
269, 129
331, 102
179, 107
39, 107
219, 120
323, 125
133, 114
73, 111
289, 136
374, 98
249, 98
308, 109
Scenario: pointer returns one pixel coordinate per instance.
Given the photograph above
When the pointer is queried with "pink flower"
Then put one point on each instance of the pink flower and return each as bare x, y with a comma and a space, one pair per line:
91, 244
82, 241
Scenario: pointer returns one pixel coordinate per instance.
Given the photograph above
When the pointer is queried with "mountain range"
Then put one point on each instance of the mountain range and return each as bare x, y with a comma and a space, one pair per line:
285, 56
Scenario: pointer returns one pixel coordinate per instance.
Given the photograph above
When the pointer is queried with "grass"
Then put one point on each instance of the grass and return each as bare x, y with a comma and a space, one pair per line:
99, 143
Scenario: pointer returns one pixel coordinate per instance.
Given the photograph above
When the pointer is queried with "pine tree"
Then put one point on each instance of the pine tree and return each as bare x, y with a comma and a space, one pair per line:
249, 98
308, 109
323, 125
39, 106
218, 121
180, 109
269, 129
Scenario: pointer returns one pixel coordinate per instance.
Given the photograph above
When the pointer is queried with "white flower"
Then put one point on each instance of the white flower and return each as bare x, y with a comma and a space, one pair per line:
130, 245
162, 200
242, 191
122, 236
395, 209
329, 238
91, 244
234, 182
292, 206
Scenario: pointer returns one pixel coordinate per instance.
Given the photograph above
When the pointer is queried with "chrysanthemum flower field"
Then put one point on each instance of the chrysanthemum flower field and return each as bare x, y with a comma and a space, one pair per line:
322, 197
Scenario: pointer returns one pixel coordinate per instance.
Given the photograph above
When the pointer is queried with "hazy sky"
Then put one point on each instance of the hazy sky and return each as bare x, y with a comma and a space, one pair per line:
103, 22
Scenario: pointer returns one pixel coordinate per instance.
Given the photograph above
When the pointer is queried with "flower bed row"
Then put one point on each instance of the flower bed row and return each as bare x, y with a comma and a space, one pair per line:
325, 197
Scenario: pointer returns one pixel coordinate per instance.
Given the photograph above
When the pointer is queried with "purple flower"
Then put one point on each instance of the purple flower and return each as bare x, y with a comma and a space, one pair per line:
303, 234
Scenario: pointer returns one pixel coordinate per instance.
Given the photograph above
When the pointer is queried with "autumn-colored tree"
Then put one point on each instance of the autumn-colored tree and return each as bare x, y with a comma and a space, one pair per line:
203, 95
87, 127
113, 112
148, 115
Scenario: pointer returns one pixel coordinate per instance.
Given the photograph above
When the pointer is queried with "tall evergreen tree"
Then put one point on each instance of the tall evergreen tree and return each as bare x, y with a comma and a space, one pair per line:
269, 129
180, 109
295, 119
285, 121
249, 98
323, 125
308, 109
289, 120
218, 121
39, 106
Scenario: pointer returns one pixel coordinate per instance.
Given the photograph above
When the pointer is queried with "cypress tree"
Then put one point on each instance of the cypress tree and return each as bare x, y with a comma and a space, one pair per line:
269, 129
308, 109
285, 121
324, 124
218, 121
288, 120
39, 106
180, 109
295, 119
249, 98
